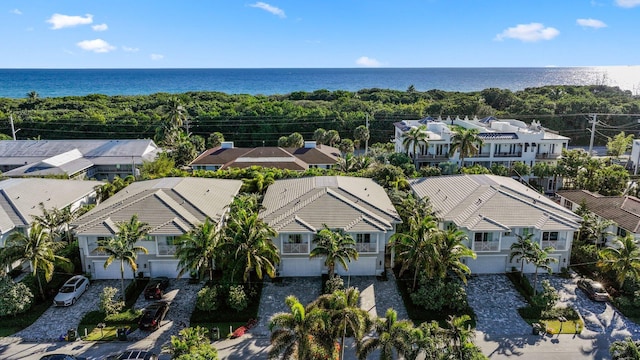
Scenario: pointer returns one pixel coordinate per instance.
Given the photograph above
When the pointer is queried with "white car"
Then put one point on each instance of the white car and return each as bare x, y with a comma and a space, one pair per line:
71, 291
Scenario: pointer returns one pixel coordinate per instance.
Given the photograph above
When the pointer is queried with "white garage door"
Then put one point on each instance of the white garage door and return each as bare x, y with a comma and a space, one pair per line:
530, 268
168, 268
301, 267
364, 266
111, 272
488, 264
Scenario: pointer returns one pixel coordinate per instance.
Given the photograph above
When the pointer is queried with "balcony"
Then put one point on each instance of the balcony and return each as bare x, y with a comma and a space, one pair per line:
560, 244
164, 249
94, 252
366, 247
432, 157
295, 248
480, 246
508, 154
551, 156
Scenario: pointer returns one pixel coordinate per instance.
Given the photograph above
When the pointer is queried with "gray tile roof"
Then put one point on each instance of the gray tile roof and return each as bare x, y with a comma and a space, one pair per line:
171, 206
20, 198
492, 203
350, 203
623, 210
269, 156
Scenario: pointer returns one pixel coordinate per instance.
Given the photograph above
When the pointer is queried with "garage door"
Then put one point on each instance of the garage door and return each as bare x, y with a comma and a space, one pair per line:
530, 268
488, 264
363, 266
111, 272
301, 267
168, 268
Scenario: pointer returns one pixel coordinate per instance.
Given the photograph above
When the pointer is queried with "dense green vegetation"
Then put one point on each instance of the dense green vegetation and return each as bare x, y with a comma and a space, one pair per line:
249, 120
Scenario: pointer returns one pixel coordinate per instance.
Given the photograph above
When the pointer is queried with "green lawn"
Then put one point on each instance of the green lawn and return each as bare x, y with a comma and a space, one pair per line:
11, 325
108, 333
222, 326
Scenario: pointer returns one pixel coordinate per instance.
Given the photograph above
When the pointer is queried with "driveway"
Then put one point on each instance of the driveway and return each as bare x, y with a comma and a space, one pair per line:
55, 321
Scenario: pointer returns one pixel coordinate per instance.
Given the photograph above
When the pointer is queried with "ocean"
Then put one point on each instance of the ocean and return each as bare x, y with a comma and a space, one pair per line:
17, 83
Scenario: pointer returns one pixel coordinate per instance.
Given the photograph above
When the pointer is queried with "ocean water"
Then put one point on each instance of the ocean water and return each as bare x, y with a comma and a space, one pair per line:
16, 83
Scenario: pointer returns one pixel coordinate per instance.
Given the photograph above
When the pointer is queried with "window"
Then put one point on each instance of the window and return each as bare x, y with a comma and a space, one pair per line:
506, 233
526, 231
295, 238
363, 238
621, 232
550, 236
172, 240
149, 238
568, 204
101, 239
483, 237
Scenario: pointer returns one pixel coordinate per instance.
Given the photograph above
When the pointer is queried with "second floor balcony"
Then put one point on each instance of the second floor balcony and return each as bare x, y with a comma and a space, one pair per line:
508, 154
164, 249
480, 246
366, 247
548, 156
295, 248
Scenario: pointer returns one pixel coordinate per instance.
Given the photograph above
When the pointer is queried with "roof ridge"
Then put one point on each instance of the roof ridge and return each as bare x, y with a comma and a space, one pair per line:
115, 207
170, 202
358, 207
299, 204
396, 216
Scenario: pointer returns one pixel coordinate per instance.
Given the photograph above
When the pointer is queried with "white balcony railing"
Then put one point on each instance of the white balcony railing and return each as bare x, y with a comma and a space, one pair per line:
486, 246
560, 244
164, 249
295, 248
366, 247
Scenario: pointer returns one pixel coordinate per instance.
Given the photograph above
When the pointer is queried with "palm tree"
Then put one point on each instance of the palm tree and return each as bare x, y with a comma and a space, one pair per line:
541, 259
427, 342
50, 220
38, 248
523, 250
336, 247
459, 334
622, 258
414, 137
345, 316
596, 229
416, 247
331, 137
393, 338
625, 350
249, 241
300, 333
198, 248
467, 142
123, 247
362, 135
451, 251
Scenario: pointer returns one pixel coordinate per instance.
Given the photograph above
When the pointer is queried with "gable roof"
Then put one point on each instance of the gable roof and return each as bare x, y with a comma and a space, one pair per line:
171, 206
20, 198
269, 156
349, 203
492, 203
623, 210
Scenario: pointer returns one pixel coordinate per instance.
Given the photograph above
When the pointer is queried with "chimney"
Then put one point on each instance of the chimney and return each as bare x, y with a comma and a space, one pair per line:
226, 145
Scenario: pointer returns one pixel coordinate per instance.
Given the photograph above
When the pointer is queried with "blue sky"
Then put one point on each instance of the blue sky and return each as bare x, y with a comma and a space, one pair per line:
318, 33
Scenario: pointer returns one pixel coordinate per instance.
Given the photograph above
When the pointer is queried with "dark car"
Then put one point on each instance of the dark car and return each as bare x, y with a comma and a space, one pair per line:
156, 287
153, 315
61, 357
134, 355
594, 290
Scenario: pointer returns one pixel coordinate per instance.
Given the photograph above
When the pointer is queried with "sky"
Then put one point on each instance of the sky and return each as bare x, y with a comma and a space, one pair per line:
318, 33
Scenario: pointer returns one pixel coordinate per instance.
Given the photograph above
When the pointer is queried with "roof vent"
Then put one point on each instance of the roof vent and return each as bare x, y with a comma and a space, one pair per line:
309, 144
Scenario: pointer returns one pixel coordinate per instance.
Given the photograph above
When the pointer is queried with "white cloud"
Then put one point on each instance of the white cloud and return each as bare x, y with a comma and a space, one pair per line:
97, 46
100, 27
528, 33
367, 62
59, 21
628, 3
156, 57
129, 49
269, 8
16, 12
591, 23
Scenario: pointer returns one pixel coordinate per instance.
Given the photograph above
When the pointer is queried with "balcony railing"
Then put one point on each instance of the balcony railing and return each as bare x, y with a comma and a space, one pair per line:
366, 247
560, 244
166, 249
434, 157
548, 156
508, 154
295, 248
93, 252
486, 246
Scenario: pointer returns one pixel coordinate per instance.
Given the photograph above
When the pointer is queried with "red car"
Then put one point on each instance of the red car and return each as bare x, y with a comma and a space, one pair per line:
156, 287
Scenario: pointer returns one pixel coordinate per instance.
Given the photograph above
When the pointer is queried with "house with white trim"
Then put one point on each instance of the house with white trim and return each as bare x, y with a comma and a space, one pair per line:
505, 142
170, 206
493, 210
298, 208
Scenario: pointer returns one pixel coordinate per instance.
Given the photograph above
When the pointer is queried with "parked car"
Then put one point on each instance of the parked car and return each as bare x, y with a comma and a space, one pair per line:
61, 357
134, 355
594, 290
156, 287
71, 291
153, 315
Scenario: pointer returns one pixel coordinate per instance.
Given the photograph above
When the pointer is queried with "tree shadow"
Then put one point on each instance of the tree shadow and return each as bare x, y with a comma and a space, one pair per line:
512, 345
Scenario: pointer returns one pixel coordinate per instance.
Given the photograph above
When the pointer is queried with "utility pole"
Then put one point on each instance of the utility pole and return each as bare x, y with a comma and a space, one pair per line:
366, 142
593, 122
13, 129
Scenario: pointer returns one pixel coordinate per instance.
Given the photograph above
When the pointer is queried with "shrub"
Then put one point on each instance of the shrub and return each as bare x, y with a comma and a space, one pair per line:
337, 283
568, 312
126, 317
547, 298
237, 298
107, 304
207, 299
436, 294
15, 298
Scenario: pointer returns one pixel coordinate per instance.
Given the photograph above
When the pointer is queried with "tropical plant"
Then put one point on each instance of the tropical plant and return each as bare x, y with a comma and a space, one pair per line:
361, 135
215, 139
523, 250
300, 333
393, 338
346, 146
466, 142
237, 298
596, 229
192, 343
50, 220
460, 335
15, 298
108, 304
416, 247
319, 136
541, 259
450, 252
38, 248
619, 144
331, 137
622, 258
197, 249
626, 349
413, 138
208, 298
250, 245
336, 246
